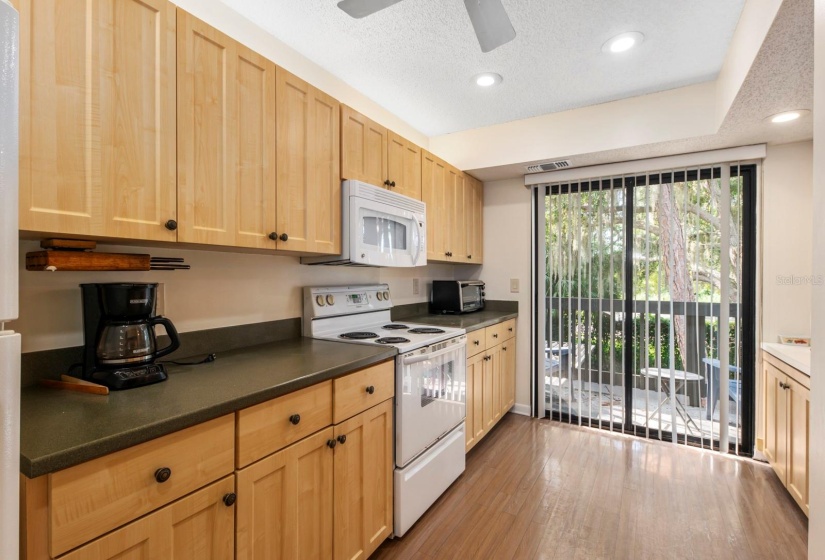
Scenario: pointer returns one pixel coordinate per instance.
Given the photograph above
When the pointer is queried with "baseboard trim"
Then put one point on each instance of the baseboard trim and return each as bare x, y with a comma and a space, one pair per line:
522, 409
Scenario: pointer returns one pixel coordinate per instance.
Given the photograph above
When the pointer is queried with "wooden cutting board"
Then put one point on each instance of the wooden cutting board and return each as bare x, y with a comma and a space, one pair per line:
80, 260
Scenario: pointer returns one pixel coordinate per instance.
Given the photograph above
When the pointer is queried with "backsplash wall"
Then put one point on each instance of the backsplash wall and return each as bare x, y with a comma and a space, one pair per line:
221, 289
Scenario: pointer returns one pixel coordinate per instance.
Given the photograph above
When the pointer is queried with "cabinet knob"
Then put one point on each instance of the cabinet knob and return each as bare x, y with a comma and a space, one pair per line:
392, 183
510, 329
273, 236
469, 256
230, 499
342, 439
331, 443
163, 474
504, 348
495, 335
387, 183
171, 225
476, 342
370, 389
283, 237
295, 419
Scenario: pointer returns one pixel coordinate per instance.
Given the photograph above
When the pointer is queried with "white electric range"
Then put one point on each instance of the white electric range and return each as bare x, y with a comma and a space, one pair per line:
430, 397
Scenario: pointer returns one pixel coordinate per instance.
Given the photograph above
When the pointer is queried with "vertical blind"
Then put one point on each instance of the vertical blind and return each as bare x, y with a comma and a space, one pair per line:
644, 328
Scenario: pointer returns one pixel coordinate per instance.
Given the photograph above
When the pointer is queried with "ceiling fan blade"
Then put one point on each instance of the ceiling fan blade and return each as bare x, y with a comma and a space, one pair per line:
363, 8
491, 23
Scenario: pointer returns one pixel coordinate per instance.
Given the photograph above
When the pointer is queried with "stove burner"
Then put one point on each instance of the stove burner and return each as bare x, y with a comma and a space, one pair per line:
394, 326
358, 335
392, 340
426, 330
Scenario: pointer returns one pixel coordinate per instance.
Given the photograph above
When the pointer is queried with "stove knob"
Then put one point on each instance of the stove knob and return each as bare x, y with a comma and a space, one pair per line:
330, 299
380, 296
319, 300
387, 296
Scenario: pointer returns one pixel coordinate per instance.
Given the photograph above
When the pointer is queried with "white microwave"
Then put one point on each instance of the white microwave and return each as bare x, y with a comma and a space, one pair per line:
379, 228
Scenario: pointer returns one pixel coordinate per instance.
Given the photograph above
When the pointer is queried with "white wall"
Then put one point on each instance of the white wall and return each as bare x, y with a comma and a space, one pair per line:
221, 289
787, 221
507, 255
816, 470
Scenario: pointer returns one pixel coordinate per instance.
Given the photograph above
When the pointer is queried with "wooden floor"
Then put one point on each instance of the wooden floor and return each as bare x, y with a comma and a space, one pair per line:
540, 489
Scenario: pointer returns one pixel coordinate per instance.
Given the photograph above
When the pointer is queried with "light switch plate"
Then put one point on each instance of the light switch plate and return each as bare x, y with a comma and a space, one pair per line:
514, 285
416, 286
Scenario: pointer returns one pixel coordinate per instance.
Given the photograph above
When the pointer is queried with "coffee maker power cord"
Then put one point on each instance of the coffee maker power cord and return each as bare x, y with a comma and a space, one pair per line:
208, 359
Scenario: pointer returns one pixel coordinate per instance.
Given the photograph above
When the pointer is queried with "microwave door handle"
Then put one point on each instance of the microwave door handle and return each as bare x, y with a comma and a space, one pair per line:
421, 357
418, 240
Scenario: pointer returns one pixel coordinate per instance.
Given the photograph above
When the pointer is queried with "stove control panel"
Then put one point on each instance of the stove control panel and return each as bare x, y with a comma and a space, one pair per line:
345, 300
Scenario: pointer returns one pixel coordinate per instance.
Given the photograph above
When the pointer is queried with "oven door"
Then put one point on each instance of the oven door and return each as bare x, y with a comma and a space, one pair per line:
384, 235
430, 397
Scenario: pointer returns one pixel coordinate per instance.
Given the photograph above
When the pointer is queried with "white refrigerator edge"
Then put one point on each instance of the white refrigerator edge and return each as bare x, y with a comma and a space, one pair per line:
9, 341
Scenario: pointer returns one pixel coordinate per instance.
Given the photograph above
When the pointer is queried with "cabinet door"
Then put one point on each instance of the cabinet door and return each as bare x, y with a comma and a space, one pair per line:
308, 168
226, 139
495, 365
197, 527
799, 402
508, 375
454, 215
776, 413
473, 207
434, 189
97, 117
363, 482
473, 424
404, 165
363, 148
285, 503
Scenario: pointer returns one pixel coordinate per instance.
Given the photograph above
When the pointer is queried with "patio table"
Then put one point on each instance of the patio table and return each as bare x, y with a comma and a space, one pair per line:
681, 378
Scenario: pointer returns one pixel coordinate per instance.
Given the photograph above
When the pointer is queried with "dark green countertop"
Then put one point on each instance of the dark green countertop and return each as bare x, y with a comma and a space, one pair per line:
60, 429
469, 321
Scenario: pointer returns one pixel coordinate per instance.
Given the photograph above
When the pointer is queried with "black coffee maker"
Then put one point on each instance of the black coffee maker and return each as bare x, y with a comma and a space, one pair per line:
120, 346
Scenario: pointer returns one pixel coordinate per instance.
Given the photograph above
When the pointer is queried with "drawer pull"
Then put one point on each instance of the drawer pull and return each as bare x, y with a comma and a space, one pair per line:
370, 389
331, 443
510, 329
342, 439
495, 335
504, 348
230, 499
163, 474
476, 342
295, 419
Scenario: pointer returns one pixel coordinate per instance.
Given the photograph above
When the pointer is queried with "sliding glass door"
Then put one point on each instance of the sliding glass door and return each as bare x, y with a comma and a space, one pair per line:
648, 317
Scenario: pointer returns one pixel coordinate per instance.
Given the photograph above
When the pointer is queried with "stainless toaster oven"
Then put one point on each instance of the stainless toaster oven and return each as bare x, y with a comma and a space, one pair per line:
457, 296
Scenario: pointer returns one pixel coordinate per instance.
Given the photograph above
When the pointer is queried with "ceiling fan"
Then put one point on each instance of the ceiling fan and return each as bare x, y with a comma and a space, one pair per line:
490, 21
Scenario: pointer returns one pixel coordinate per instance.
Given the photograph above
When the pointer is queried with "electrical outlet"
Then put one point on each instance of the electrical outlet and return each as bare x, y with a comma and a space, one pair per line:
416, 286
514, 285
160, 299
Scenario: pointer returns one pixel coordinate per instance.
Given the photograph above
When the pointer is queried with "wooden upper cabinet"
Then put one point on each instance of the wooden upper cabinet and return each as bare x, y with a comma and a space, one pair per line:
454, 207
434, 191
363, 148
403, 166
308, 167
226, 139
473, 219
97, 117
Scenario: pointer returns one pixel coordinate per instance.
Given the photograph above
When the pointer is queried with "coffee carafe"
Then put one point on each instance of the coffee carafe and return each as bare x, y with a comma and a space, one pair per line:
120, 341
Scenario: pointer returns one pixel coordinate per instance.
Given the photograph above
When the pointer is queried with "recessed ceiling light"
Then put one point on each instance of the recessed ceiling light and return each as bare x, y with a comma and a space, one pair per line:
623, 42
787, 116
487, 79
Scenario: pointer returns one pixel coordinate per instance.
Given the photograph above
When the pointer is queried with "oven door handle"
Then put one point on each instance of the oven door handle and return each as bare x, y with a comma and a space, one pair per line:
421, 357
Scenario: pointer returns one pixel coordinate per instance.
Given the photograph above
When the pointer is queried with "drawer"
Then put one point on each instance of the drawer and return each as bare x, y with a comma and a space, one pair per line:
95, 497
508, 328
268, 427
494, 334
356, 392
476, 342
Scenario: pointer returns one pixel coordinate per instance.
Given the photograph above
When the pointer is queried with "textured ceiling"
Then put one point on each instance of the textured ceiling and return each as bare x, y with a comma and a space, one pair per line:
417, 58
780, 79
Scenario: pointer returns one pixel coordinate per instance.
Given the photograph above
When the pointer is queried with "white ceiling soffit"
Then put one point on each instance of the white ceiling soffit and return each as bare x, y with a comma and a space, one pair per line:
417, 58
780, 79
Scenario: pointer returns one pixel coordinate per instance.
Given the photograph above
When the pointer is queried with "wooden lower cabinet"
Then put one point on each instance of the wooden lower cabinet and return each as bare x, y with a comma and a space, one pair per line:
363, 482
285, 502
491, 379
197, 527
787, 432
